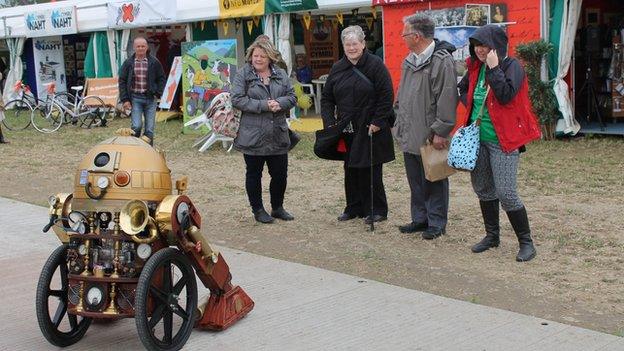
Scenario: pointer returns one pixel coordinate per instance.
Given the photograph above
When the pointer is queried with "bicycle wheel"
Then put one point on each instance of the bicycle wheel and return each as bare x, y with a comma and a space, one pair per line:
16, 114
50, 121
66, 99
92, 112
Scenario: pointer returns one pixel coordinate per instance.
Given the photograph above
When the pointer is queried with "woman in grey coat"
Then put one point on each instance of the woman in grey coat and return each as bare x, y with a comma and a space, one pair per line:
262, 91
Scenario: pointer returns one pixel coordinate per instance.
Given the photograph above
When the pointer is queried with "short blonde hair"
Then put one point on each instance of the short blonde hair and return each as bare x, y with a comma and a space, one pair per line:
264, 45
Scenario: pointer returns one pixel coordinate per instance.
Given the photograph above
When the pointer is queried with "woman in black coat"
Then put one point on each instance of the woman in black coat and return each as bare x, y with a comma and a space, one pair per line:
359, 88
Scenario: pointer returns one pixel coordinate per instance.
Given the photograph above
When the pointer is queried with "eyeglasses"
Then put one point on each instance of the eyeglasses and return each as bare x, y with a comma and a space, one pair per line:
408, 34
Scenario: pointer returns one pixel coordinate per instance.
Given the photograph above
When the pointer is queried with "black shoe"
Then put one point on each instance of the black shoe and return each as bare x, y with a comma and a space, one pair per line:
262, 216
413, 227
376, 218
281, 213
346, 216
432, 233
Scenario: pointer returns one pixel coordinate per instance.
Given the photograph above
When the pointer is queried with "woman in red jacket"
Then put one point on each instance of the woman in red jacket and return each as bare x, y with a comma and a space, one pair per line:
507, 124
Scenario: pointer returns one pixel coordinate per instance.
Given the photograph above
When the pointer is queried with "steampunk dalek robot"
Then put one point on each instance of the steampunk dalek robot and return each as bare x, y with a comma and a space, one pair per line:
131, 249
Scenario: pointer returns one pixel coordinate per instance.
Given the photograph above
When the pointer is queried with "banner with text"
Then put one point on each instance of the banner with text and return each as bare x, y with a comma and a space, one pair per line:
248, 8
106, 89
49, 65
57, 21
140, 13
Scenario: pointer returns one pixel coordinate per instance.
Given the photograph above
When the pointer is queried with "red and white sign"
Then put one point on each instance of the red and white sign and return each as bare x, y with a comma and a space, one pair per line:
140, 13
172, 83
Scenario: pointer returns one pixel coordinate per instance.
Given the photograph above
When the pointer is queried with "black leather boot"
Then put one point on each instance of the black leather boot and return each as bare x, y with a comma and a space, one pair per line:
262, 216
489, 210
520, 223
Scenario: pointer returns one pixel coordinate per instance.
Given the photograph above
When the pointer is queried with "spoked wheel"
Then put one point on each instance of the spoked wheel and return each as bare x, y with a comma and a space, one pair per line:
16, 114
168, 281
59, 328
93, 112
48, 119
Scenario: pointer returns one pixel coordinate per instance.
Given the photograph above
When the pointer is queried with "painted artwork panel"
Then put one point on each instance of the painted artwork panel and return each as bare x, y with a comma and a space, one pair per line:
208, 69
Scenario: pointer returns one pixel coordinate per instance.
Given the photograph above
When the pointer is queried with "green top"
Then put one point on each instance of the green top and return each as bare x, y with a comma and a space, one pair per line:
487, 132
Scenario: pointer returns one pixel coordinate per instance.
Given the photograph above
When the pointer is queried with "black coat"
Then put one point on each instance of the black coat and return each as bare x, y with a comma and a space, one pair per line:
352, 97
156, 78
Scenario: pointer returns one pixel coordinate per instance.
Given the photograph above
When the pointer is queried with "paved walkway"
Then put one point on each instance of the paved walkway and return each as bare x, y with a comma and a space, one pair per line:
297, 308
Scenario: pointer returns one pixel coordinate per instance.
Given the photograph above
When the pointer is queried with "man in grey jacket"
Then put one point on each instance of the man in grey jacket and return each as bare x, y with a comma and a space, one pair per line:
426, 103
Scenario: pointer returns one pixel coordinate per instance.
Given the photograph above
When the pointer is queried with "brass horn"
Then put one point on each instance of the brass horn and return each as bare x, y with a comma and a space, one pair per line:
133, 217
152, 229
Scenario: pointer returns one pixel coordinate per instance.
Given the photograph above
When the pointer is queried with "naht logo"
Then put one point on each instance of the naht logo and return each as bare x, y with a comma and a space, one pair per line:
35, 22
61, 19
42, 45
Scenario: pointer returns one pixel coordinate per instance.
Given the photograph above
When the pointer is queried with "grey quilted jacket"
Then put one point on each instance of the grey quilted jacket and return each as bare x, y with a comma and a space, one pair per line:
261, 131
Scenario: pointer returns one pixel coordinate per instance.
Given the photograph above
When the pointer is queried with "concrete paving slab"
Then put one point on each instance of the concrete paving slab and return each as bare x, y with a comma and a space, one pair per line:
298, 307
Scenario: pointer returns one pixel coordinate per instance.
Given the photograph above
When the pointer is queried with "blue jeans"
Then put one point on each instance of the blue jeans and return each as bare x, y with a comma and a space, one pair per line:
143, 106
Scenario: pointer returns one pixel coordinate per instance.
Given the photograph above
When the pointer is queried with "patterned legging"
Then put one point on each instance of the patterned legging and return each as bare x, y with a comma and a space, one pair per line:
495, 176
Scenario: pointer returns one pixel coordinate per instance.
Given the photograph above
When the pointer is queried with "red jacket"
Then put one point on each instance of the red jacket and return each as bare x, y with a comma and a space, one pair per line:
514, 121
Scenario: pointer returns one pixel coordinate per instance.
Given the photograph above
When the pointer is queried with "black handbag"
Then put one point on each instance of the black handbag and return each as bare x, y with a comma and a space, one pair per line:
326, 143
294, 138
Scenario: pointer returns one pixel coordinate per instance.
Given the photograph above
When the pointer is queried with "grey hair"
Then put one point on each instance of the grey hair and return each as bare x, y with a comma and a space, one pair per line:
421, 23
355, 32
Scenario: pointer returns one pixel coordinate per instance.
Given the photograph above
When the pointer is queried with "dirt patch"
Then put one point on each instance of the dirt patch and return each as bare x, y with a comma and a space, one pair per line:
573, 192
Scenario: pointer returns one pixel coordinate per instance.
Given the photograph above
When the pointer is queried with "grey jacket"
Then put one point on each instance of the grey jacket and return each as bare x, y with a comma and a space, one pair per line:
426, 99
261, 131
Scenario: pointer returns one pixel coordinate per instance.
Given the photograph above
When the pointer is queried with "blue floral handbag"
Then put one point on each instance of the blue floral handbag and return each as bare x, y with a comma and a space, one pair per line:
464, 148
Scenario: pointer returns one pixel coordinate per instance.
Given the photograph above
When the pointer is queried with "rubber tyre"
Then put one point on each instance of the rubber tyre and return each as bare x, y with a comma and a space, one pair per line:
78, 328
163, 312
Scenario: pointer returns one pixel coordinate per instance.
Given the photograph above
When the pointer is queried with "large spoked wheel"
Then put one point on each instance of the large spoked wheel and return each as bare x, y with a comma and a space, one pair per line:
93, 112
58, 327
48, 119
168, 280
16, 114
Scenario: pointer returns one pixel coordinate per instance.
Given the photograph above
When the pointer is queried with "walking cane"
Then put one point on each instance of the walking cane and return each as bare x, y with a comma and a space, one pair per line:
372, 216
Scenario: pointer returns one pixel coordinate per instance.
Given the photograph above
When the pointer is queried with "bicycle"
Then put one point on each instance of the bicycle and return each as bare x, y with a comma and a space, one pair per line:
18, 112
90, 111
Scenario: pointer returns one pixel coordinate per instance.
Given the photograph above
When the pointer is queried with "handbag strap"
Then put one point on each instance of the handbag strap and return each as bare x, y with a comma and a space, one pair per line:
363, 76
478, 120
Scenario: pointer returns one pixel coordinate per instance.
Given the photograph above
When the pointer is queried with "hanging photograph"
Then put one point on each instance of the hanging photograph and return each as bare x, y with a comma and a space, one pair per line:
208, 69
450, 17
477, 15
498, 13
458, 36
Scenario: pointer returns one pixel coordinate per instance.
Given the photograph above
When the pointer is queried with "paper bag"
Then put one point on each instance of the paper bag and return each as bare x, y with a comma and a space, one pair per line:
435, 163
